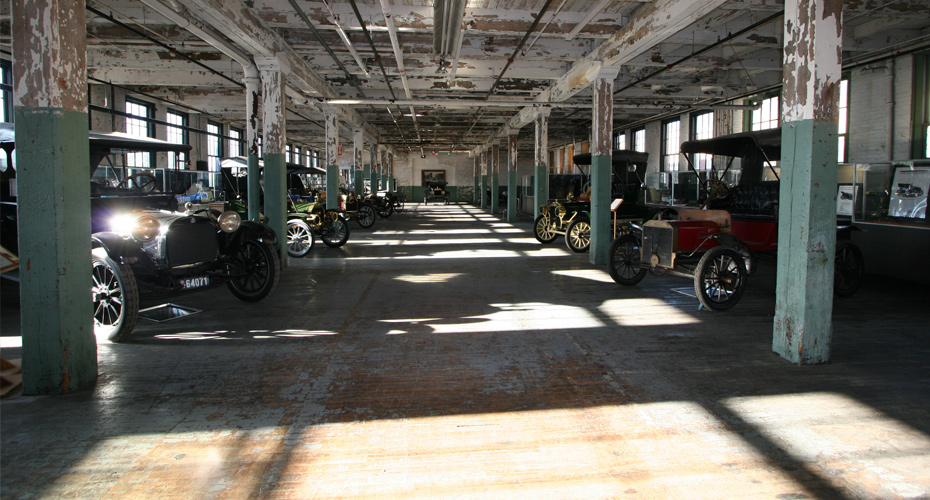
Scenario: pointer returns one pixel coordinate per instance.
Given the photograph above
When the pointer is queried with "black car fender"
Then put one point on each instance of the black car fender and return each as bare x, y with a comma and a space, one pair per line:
728, 240
120, 249
845, 232
250, 230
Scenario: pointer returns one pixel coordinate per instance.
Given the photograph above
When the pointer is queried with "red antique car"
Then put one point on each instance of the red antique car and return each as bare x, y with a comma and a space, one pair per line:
714, 243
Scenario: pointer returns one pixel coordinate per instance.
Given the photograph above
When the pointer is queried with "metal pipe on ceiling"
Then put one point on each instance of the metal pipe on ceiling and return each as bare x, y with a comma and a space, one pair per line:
345, 40
399, 58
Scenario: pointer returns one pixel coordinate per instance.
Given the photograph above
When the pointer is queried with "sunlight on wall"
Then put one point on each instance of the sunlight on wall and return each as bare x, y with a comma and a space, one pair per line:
860, 441
645, 312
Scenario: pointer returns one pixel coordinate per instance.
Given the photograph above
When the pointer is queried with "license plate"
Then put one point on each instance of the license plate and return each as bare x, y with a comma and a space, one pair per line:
196, 282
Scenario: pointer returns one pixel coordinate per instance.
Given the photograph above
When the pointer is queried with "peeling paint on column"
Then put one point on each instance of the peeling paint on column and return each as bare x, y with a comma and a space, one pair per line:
331, 145
55, 33
541, 144
252, 100
358, 143
603, 114
813, 90
512, 156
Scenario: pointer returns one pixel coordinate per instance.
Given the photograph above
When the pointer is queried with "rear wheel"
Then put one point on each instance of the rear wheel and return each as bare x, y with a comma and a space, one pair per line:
720, 278
625, 259
366, 216
257, 271
386, 209
542, 229
848, 268
299, 238
115, 296
336, 233
578, 235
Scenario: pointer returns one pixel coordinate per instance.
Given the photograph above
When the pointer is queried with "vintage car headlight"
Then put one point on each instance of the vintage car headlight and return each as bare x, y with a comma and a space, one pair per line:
544, 209
143, 228
229, 221
560, 211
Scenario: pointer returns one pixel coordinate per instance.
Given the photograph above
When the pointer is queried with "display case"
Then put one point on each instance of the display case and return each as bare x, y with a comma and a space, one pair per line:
891, 193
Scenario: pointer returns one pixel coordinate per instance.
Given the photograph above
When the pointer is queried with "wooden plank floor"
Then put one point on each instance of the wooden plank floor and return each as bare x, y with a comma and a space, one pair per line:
446, 354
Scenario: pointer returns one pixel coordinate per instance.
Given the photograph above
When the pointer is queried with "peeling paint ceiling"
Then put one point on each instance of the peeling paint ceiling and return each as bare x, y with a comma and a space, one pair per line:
719, 56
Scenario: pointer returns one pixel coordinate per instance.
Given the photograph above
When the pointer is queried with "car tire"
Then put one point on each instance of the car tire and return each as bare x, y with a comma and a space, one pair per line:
386, 210
625, 260
115, 296
336, 234
848, 268
720, 278
366, 216
542, 229
578, 235
299, 238
257, 269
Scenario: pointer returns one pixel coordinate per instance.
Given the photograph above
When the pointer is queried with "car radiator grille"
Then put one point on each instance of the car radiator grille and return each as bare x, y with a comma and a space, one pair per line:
190, 241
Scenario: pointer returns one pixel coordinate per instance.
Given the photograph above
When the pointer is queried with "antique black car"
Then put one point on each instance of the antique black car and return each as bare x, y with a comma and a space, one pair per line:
713, 242
436, 191
142, 246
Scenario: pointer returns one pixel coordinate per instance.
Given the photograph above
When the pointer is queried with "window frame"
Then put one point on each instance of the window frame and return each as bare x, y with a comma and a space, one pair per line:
701, 161
177, 159
6, 91
139, 159
638, 142
671, 145
216, 147
920, 148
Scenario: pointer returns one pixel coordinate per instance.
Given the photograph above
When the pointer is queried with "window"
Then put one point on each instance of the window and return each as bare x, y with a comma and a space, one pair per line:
141, 127
639, 140
767, 116
6, 91
287, 153
236, 144
214, 146
702, 127
921, 131
671, 144
620, 141
843, 120
177, 134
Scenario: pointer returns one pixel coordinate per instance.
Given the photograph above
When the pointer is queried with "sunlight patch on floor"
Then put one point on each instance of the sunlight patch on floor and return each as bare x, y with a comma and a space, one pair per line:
587, 274
428, 278
645, 312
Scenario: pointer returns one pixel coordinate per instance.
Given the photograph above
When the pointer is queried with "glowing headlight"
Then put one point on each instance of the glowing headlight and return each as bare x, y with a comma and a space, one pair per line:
143, 228
229, 222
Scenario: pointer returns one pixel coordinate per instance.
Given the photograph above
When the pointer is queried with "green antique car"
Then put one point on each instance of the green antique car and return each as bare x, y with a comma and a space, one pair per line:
305, 219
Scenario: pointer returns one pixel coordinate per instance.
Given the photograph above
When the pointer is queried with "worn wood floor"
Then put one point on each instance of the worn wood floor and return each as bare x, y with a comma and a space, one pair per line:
446, 354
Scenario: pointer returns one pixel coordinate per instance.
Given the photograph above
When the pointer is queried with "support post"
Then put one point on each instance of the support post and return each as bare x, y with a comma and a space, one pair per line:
331, 145
253, 190
476, 197
373, 168
512, 187
359, 179
50, 95
541, 147
807, 206
495, 163
484, 179
274, 126
601, 158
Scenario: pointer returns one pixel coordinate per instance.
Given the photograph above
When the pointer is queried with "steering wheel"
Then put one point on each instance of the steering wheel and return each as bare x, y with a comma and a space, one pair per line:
716, 189
143, 182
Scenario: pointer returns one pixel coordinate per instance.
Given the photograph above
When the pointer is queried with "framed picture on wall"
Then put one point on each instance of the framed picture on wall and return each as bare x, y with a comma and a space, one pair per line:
432, 177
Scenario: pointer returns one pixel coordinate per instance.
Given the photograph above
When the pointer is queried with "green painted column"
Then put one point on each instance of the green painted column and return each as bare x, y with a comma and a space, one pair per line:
512, 187
59, 351
359, 181
803, 329
540, 188
274, 125
331, 155
366, 175
254, 189
601, 156
484, 191
600, 210
495, 178
541, 152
